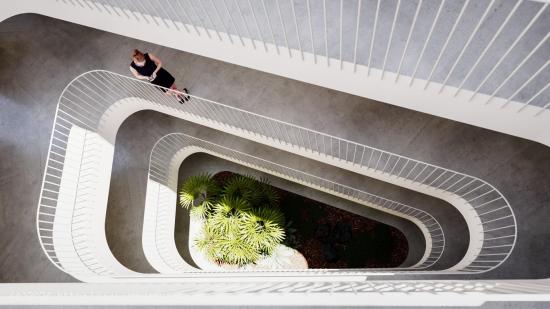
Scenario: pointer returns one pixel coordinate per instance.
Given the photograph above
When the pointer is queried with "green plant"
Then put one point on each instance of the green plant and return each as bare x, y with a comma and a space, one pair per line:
228, 212
199, 193
263, 229
266, 194
241, 223
241, 187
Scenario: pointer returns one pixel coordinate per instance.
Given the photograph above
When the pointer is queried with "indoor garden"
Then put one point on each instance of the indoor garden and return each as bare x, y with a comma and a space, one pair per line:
240, 222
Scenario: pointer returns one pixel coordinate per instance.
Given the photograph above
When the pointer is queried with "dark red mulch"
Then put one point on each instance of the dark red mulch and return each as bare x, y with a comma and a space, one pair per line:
329, 237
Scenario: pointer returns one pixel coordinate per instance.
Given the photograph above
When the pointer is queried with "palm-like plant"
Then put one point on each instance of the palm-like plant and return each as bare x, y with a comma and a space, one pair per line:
241, 223
228, 212
234, 250
263, 229
199, 193
241, 187
266, 194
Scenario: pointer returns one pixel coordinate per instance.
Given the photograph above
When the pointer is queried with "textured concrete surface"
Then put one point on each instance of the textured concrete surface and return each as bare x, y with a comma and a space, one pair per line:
39, 56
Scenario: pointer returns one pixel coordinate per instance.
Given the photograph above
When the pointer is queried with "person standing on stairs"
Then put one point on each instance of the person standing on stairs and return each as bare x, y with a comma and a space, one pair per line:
147, 66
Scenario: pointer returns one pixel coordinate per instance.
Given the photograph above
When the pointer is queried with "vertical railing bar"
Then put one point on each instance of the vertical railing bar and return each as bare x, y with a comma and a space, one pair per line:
467, 44
513, 95
455, 183
370, 157
245, 23
296, 27
269, 25
403, 168
178, 17
283, 26
201, 24
448, 178
311, 32
341, 32
106, 9
415, 18
143, 9
516, 41
117, 3
387, 162
217, 12
184, 11
446, 44
233, 22
362, 156
388, 45
96, 5
396, 162
257, 24
544, 108
422, 171
429, 175
428, 38
358, 17
205, 12
162, 10
464, 186
517, 69
533, 97
482, 54
373, 36
378, 162
153, 11
326, 31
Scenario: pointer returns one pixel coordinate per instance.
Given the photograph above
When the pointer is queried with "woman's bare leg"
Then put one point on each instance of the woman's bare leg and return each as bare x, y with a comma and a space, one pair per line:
179, 96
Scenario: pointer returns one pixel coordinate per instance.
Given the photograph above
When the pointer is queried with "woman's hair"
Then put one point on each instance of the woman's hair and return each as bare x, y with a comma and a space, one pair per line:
138, 55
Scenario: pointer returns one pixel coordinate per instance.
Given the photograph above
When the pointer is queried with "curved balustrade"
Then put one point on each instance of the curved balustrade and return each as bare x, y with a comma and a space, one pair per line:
334, 32
160, 208
92, 107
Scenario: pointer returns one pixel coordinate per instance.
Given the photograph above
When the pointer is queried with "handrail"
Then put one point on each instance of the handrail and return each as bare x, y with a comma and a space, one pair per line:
165, 160
249, 32
95, 103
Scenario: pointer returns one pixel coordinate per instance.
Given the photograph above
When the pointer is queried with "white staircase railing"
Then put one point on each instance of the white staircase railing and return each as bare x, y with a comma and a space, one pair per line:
160, 208
481, 63
91, 108
341, 31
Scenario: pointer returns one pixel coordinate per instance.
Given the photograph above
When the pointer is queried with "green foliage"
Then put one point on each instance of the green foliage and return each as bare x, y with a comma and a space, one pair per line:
242, 222
263, 228
241, 187
228, 213
199, 193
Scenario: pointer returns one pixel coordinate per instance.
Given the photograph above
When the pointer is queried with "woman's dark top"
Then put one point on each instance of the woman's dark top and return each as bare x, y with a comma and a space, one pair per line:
163, 79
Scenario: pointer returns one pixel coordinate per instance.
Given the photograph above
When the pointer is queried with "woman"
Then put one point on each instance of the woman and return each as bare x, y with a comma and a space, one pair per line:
147, 66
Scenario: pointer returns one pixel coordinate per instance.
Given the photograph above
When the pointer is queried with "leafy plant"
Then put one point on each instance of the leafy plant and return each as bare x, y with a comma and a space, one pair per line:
199, 193
242, 221
263, 229
228, 213
241, 187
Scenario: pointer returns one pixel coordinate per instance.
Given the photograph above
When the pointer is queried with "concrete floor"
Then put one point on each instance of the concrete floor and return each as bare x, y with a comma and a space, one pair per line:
39, 56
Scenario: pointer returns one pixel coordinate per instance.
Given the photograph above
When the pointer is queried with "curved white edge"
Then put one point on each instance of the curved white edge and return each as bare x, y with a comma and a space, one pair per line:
161, 205
349, 79
104, 140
